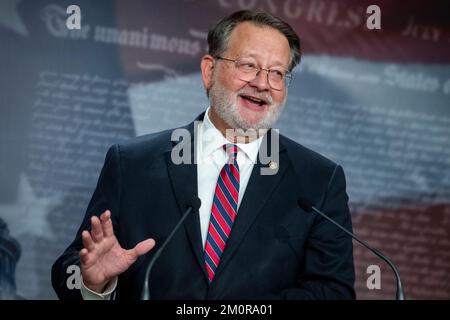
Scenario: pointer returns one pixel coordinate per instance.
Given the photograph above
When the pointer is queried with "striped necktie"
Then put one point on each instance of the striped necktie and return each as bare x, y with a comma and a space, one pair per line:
223, 211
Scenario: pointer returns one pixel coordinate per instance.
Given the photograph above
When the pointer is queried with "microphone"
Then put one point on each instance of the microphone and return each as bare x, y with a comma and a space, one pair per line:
192, 205
306, 205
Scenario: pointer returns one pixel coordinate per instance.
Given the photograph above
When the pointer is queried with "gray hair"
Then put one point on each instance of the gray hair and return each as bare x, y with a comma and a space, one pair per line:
219, 35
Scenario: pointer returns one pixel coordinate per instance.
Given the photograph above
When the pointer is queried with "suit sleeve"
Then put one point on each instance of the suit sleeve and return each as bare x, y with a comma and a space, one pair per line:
328, 272
105, 196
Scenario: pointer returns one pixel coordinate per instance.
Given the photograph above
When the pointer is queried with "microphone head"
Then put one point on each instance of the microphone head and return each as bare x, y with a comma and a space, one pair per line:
305, 204
195, 203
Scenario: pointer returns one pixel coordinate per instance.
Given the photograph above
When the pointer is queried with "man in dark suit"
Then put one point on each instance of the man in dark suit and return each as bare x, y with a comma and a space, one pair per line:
249, 240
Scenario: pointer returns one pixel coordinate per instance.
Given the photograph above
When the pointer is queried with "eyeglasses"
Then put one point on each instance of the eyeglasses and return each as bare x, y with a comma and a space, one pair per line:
278, 77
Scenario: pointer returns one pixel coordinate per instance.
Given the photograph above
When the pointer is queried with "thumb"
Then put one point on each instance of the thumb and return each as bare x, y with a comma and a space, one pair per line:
143, 247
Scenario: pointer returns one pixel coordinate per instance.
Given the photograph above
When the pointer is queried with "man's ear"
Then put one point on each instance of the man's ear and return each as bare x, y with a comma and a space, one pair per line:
207, 67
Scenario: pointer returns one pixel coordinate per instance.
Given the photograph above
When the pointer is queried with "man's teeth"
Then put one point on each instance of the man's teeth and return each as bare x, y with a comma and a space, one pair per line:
256, 100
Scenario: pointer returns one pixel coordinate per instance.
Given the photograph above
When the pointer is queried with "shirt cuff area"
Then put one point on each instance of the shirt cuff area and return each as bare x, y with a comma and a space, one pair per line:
88, 294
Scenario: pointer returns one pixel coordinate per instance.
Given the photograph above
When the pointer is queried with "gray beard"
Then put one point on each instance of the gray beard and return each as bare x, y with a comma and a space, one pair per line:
225, 105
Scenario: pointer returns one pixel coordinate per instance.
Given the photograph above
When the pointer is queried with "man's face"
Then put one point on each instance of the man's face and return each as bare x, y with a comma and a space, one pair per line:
248, 104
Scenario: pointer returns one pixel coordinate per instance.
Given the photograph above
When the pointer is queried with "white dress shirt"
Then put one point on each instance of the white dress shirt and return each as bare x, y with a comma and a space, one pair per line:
210, 159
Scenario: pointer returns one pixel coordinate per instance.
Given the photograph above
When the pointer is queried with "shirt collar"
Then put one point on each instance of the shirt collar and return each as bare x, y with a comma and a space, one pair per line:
212, 140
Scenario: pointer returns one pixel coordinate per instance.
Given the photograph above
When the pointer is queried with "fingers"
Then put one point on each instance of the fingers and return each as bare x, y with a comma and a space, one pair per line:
97, 230
88, 243
84, 256
100, 228
143, 247
107, 226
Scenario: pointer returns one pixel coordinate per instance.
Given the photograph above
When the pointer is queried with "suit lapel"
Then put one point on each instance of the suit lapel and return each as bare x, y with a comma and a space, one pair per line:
184, 182
258, 190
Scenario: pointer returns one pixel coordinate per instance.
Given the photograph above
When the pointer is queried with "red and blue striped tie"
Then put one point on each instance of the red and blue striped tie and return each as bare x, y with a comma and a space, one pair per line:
223, 211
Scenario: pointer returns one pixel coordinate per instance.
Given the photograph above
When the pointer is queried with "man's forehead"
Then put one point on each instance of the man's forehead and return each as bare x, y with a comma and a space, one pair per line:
250, 29
247, 40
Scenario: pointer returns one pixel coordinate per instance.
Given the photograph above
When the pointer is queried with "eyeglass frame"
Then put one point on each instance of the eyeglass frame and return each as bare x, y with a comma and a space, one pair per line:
287, 75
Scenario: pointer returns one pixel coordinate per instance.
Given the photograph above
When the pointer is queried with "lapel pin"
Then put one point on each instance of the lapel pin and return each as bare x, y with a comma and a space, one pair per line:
273, 165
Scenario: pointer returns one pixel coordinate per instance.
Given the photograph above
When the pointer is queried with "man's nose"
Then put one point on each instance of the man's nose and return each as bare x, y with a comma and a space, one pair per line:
261, 81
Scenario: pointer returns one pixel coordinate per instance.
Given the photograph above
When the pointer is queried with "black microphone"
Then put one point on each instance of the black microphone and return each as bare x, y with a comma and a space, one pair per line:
192, 205
306, 205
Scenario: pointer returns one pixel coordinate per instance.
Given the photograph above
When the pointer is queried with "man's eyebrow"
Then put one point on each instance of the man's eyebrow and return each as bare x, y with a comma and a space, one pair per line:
277, 63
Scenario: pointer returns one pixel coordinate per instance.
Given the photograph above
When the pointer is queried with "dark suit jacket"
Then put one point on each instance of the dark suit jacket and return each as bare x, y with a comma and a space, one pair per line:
275, 249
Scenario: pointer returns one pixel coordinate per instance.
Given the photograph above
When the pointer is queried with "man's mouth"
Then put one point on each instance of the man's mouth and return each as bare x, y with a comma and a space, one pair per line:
254, 100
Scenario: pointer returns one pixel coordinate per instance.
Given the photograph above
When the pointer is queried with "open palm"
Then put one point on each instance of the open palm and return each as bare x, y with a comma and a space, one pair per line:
102, 258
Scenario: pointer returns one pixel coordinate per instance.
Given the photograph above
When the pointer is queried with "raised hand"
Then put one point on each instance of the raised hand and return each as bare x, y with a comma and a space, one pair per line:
102, 258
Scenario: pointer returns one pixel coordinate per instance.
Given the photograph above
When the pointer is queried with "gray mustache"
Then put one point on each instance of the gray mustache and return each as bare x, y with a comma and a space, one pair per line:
258, 95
